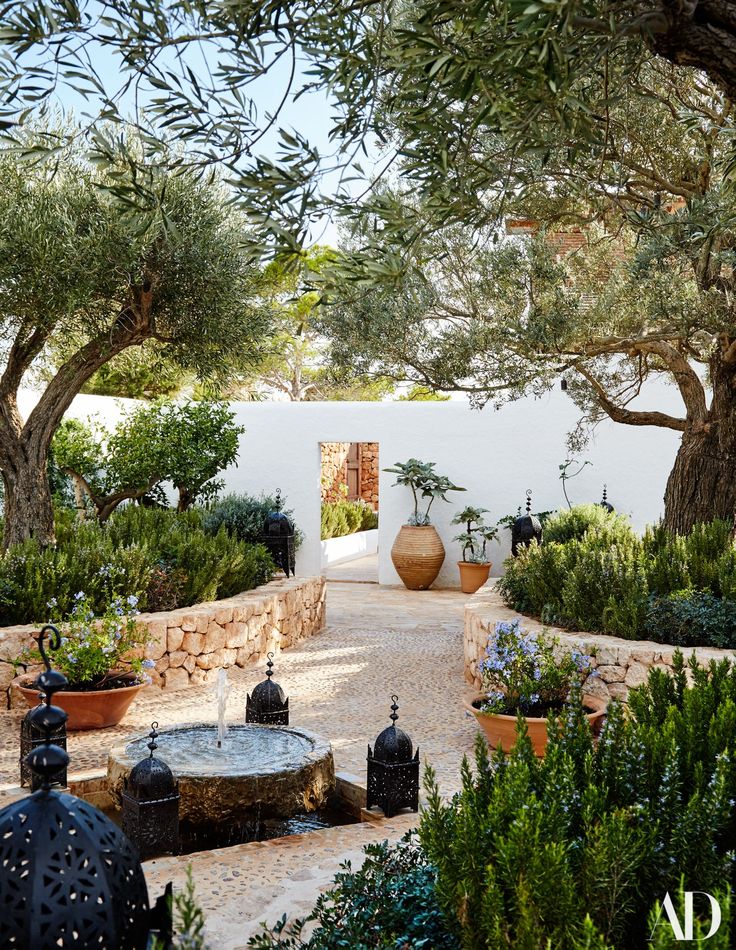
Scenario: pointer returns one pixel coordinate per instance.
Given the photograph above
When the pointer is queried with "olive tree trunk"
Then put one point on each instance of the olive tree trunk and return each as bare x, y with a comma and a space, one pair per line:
29, 512
702, 483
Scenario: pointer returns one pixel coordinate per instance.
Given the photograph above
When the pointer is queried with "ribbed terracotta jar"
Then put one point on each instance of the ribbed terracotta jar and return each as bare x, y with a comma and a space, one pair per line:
418, 554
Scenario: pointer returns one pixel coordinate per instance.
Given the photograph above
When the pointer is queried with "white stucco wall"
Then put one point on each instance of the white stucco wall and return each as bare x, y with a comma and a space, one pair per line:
495, 454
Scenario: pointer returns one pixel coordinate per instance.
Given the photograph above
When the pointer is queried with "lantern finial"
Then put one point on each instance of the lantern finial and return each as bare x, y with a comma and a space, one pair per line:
528, 501
269, 666
47, 760
394, 706
153, 735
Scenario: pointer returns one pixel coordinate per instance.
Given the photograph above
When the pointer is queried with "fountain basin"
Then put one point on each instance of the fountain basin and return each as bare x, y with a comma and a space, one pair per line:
275, 771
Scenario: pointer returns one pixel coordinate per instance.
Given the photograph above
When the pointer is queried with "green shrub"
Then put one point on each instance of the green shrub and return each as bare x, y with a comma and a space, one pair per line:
346, 517
244, 517
672, 589
692, 618
164, 558
389, 902
575, 523
531, 847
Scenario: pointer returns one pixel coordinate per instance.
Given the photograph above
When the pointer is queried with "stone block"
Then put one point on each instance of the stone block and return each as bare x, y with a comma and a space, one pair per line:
237, 635
177, 658
215, 638
176, 678
223, 615
636, 674
157, 639
595, 686
162, 664
619, 691
193, 643
190, 663
612, 674
202, 677
174, 639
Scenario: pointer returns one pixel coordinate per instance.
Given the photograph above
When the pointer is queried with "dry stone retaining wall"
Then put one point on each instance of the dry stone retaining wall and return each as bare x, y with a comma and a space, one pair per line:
191, 644
619, 664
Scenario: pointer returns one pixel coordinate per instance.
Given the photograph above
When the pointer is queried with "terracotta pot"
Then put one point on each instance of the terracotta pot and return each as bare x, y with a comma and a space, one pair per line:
473, 576
418, 554
501, 730
91, 709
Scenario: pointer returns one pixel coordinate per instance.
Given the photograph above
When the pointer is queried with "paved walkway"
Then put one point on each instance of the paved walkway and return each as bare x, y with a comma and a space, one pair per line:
378, 641
363, 570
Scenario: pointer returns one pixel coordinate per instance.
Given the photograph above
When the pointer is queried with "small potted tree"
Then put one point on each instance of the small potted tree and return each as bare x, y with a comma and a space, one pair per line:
525, 674
100, 657
418, 552
474, 568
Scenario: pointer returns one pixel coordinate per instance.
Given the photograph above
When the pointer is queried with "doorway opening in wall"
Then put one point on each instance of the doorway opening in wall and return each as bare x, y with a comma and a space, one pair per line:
349, 490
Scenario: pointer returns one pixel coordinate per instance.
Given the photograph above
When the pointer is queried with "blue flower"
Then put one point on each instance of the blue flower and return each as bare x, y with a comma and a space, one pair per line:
79, 595
148, 664
132, 601
51, 603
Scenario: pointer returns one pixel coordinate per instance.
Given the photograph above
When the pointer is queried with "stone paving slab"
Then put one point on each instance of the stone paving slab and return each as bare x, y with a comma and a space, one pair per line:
378, 641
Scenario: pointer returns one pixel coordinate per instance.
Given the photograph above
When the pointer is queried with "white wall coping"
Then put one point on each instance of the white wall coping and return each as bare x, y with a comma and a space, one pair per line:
349, 547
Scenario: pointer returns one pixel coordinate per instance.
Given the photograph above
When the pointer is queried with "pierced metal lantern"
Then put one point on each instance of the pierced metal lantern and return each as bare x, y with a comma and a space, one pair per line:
278, 537
604, 502
70, 878
526, 528
269, 704
32, 736
393, 770
151, 805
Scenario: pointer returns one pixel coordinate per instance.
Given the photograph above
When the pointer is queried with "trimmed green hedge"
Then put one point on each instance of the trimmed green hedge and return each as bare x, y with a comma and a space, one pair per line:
593, 572
346, 517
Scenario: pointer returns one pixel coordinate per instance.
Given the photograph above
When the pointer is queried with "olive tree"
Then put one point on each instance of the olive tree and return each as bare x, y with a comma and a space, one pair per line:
80, 277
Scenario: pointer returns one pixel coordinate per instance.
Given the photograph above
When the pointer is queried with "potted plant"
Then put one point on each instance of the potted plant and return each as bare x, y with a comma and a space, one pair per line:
100, 658
474, 568
418, 552
522, 676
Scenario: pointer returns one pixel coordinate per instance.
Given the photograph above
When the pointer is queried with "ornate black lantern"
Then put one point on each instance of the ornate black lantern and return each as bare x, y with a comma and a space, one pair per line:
32, 736
151, 805
604, 502
70, 877
269, 704
526, 528
278, 537
393, 771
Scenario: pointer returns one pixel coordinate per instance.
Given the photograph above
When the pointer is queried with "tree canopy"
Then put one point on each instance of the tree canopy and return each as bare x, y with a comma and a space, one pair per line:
81, 282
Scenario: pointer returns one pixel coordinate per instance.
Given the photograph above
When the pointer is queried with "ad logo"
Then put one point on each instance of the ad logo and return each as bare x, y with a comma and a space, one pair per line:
684, 931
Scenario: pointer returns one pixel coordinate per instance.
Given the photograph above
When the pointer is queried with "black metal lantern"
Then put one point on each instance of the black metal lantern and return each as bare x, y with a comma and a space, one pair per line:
526, 528
604, 502
32, 736
269, 704
393, 770
70, 877
278, 537
151, 805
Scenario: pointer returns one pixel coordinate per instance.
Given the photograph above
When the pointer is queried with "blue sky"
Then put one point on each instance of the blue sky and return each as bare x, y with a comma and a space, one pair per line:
310, 115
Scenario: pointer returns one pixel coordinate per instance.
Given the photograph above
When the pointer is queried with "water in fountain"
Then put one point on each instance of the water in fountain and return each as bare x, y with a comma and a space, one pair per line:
222, 691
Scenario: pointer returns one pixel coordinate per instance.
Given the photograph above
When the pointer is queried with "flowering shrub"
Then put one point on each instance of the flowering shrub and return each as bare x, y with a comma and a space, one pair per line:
520, 671
96, 650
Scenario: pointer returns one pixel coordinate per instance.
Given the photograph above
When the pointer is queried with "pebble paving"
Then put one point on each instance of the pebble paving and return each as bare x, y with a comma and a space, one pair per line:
378, 641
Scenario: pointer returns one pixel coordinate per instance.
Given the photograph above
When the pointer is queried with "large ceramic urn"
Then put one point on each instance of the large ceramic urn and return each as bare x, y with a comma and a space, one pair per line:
418, 554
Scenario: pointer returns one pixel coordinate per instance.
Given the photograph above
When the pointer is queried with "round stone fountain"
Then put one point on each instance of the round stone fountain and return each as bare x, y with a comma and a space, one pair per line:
278, 771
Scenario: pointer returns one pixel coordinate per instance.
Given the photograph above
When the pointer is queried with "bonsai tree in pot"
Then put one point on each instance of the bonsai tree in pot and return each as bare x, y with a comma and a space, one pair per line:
418, 552
100, 657
525, 675
474, 568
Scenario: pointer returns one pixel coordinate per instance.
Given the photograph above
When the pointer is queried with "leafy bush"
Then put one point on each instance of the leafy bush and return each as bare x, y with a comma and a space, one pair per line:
244, 516
575, 523
691, 618
602, 577
389, 902
346, 517
146, 552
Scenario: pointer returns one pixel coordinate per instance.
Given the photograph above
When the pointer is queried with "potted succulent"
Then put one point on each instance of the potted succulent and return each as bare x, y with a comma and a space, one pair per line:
100, 656
418, 552
522, 676
474, 568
